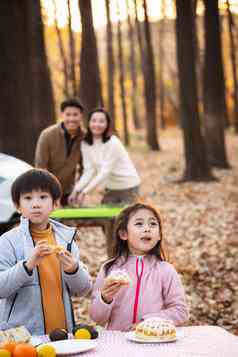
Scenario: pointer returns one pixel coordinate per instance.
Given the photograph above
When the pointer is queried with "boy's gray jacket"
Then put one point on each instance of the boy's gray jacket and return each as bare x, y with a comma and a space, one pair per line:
20, 293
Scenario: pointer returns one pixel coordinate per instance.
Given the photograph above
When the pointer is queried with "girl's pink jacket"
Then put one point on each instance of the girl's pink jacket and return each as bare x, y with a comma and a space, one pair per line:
158, 293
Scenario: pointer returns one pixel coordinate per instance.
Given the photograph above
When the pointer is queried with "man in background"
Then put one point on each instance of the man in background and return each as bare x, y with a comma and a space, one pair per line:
58, 146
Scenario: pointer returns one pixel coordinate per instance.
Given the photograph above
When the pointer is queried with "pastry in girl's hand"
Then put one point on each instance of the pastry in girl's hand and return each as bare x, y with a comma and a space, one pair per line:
119, 276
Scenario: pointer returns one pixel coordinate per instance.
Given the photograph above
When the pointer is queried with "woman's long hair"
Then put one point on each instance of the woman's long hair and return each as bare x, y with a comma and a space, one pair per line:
120, 247
106, 134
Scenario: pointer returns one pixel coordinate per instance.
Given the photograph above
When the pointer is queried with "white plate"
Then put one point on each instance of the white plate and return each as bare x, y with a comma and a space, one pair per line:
131, 336
35, 341
71, 346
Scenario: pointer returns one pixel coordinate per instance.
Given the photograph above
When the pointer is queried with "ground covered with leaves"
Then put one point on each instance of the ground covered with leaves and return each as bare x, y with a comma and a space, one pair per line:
200, 230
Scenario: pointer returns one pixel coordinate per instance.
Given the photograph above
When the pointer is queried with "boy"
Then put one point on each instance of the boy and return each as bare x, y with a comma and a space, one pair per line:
58, 146
36, 281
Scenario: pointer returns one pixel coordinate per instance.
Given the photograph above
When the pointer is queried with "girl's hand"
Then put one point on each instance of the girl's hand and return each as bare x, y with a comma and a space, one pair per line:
72, 198
133, 326
109, 290
40, 251
68, 262
80, 198
76, 199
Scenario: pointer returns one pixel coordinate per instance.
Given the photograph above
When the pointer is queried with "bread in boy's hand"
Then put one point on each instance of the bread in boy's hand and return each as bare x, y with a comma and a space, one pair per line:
119, 276
57, 248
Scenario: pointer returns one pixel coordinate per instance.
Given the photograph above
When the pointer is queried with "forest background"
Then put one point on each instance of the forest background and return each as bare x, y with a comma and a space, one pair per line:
168, 76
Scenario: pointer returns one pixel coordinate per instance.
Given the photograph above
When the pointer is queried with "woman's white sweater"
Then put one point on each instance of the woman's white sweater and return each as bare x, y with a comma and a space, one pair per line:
107, 163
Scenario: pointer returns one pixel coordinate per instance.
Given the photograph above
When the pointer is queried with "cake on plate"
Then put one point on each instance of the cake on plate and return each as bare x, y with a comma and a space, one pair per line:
119, 276
156, 328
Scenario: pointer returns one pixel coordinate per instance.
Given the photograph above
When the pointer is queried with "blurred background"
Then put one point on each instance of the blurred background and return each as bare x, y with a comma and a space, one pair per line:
153, 64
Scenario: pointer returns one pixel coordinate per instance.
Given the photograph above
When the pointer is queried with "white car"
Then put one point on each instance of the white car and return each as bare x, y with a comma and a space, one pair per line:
10, 169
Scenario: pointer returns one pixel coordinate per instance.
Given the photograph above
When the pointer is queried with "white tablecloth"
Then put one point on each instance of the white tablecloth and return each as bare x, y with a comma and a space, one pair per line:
195, 341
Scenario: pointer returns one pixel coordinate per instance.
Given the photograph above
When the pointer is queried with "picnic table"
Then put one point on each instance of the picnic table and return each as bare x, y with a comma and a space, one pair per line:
192, 341
101, 216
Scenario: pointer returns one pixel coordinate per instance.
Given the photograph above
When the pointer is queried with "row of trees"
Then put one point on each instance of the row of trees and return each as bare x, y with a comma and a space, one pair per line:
26, 86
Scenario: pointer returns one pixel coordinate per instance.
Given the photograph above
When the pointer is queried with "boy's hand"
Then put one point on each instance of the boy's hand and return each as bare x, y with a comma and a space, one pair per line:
68, 262
110, 289
40, 251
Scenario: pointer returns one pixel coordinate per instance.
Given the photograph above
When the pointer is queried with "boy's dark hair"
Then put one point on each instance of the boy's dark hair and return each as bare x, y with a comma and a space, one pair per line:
120, 247
71, 102
106, 135
36, 179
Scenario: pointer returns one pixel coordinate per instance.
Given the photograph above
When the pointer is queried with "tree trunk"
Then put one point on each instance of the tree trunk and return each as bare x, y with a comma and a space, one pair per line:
132, 64
199, 65
141, 52
215, 112
234, 65
42, 102
110, 66
62, 53
90, 83
150, 86
146, 55
72, 52
25, 85
161, 25
122, 81
197, 168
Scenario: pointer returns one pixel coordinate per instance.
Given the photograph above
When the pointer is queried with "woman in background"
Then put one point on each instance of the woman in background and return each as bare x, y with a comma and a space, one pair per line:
105, 161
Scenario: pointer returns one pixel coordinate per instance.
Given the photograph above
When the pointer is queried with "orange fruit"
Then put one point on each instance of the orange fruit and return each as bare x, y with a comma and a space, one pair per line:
4, 353
9, 346
24, 350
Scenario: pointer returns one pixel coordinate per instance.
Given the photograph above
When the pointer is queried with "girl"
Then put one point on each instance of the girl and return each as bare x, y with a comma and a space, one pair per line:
156, 289
105, 160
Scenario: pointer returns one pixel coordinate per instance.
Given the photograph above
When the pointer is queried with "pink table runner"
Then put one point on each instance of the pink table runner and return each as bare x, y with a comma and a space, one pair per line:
196, 341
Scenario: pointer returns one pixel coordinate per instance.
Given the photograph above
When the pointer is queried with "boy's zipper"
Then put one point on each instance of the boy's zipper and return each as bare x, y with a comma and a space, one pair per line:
41, 297
13, 303
69, 245
139, 273
69, 249
71, 307
42, 307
